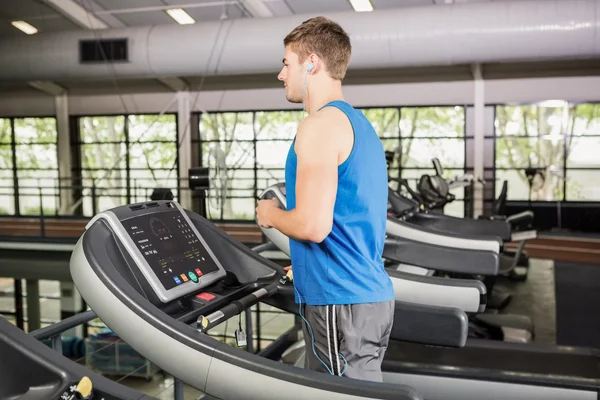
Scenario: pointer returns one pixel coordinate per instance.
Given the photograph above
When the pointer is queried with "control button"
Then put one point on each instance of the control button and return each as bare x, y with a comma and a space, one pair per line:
193, 276
177, 281
198, 272
185, 279
205, 296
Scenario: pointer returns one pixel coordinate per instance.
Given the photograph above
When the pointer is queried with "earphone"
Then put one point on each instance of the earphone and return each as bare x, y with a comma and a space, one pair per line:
308, 69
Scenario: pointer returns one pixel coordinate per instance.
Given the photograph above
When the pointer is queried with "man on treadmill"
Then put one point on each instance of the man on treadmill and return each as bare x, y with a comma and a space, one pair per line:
336, 183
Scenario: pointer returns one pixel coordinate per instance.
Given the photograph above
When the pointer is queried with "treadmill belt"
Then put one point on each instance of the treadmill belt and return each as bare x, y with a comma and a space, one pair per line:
504, 362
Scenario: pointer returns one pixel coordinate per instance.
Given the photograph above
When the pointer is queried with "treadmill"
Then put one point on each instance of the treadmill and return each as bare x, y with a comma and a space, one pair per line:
160, 277
406, 212
30, 370
134, 290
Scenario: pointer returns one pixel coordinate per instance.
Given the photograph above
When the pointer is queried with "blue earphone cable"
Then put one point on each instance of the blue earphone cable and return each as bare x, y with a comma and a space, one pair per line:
312, 337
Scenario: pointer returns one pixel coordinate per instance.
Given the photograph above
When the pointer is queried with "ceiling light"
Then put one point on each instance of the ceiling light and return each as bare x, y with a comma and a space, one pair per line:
179, 15
361, 5
24, 27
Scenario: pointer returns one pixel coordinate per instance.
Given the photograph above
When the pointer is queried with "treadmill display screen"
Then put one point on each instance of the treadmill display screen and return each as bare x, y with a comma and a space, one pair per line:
171, 248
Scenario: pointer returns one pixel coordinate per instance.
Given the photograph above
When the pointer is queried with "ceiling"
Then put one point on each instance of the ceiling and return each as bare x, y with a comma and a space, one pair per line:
63, 15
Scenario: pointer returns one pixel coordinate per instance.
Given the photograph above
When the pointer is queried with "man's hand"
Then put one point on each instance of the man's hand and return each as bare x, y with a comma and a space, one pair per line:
263, 212
289, 272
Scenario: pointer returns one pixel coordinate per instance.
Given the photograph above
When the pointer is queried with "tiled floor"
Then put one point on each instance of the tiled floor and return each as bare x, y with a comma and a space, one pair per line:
534, 298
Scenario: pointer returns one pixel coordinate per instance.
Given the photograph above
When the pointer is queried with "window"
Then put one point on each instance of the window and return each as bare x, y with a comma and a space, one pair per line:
275, 132
433, 132
227, 148
557, 142
152, 155
37, 165
28, 166
582, 178
124, 158
251, 149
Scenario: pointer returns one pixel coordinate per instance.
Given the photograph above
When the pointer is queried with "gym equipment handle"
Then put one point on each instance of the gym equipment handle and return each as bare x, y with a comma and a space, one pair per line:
204, 323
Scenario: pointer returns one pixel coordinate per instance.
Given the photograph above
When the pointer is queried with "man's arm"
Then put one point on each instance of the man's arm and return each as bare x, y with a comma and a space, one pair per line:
317, 151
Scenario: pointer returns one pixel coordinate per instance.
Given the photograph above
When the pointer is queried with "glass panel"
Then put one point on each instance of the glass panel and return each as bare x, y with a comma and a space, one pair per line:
41, 156
144, 128
583, 152
29, 202
531, 120
235, 202
6, 161
548, 188
267, 177
384, 121
153, 155
525, 152
277, 124
226, 126
110, 192
143, 183
7, 201
231, 155
432, 122
102, 129
419, 152
103, 156
272, 154
5, 134
35, 130
583, 185
585, 119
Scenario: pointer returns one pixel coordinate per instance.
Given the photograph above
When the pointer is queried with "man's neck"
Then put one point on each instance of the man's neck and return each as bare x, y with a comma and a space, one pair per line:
323, 95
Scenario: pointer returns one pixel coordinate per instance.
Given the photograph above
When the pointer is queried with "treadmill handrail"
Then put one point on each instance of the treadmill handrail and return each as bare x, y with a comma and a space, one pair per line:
468, 295
406, 229
441, 258
483, 228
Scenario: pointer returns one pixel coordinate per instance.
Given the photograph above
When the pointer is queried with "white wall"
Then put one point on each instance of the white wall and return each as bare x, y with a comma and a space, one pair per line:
434, 93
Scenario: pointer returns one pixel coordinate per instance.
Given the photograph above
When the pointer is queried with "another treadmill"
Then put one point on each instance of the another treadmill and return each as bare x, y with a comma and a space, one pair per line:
429, 250
30, 370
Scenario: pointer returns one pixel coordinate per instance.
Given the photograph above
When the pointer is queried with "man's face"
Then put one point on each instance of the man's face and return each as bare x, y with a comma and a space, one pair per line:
292, 75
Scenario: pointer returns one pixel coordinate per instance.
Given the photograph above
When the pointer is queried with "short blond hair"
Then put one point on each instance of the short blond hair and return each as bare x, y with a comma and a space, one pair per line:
326, 39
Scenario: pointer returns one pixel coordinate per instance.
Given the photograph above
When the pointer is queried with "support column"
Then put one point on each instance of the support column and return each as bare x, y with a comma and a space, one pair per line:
478, 140
64, 154
33, 305
185, 147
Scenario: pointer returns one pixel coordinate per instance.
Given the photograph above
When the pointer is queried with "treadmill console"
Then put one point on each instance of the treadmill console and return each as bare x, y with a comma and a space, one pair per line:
166, 247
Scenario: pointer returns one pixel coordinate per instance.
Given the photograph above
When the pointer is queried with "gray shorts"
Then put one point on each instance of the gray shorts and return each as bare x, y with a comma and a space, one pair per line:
350, 340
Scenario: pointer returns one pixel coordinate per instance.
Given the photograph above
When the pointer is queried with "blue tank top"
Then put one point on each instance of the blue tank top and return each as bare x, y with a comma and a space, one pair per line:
347, 267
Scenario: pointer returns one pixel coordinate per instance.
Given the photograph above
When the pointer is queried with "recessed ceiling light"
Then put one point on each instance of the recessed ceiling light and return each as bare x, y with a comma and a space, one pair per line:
24, 27
361, 5
179, 15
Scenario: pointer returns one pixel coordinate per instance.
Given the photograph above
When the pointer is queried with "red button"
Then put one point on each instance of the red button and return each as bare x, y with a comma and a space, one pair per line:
198, 272
205, 296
